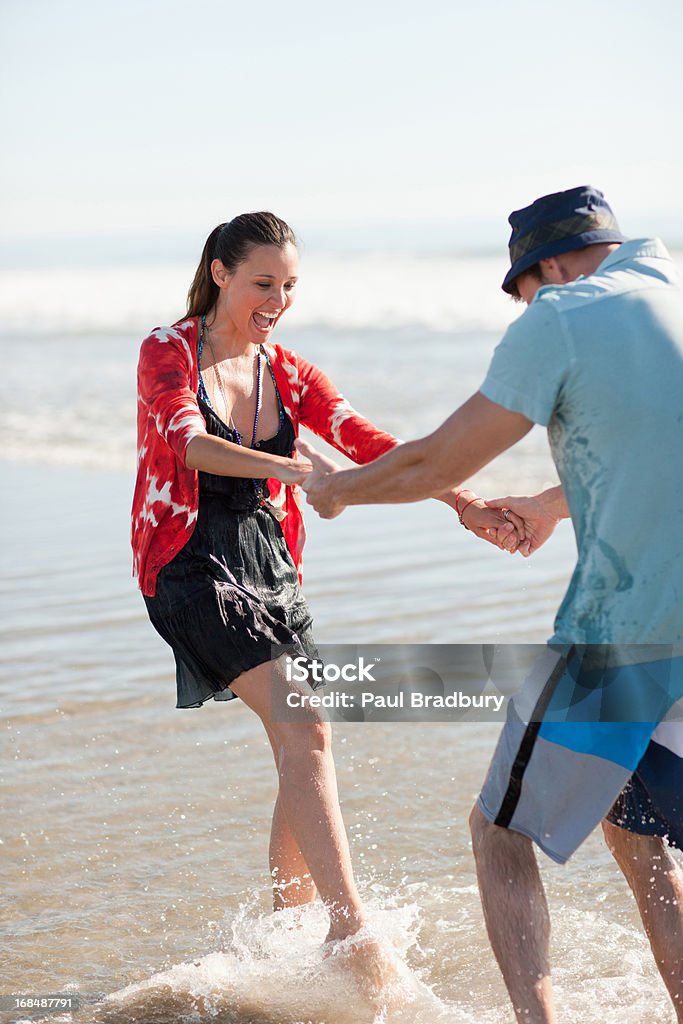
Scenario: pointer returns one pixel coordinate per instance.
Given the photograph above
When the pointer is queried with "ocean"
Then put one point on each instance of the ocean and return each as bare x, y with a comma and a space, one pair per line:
134, 836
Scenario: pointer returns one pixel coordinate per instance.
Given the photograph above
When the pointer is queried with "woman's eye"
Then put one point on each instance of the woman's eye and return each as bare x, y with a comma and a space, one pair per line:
290, 286
262, 284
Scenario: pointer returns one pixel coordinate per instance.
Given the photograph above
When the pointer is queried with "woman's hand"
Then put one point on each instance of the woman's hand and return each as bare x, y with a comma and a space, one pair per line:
491, 524
506, 532
295, 471
225, 458
539, 515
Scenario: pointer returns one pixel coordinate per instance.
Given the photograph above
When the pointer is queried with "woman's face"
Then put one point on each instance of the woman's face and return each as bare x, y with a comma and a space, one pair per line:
257, 293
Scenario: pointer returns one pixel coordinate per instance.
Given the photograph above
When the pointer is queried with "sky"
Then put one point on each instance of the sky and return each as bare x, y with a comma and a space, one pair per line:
143, 120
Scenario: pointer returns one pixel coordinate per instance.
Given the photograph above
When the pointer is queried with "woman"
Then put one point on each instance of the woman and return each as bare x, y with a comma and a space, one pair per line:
218, 531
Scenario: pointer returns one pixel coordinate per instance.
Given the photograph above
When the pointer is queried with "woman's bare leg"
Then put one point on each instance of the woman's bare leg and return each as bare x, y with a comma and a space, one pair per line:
293, 885
308, 790
292, 882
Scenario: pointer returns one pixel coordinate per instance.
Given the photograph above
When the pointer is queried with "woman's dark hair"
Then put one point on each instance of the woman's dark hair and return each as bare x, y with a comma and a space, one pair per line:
231, 243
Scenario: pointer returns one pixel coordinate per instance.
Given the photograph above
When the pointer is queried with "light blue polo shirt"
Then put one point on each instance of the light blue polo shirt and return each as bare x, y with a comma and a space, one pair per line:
599, 362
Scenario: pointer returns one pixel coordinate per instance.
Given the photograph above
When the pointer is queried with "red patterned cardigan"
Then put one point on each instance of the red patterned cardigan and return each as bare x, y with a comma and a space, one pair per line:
166, 499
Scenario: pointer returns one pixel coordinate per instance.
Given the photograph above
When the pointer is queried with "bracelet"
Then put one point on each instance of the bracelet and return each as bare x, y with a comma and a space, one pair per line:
464, 509
459, 494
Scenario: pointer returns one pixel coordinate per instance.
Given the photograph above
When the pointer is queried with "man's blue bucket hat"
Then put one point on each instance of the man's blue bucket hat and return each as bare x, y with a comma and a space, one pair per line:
558, 223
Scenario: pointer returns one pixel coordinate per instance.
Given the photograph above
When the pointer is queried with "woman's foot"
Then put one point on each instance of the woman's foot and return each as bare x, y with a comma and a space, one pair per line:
344, 924
372, 962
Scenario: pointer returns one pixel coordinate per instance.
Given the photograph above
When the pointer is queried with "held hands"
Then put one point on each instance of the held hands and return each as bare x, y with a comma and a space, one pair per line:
539, 515
498, 526
513, 523
317, 482
295, 473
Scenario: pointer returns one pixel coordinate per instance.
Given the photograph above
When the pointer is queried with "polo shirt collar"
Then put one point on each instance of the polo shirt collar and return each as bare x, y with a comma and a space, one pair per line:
633, 249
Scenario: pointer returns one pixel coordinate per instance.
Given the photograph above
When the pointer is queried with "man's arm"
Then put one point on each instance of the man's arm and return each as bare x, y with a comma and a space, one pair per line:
326, 412
470, 438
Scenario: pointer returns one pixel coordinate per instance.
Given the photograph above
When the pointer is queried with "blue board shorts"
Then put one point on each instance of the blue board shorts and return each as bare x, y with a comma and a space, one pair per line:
651, 803
591, 735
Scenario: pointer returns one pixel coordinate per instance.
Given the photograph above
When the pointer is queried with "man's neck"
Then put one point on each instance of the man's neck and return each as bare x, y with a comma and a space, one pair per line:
585, 261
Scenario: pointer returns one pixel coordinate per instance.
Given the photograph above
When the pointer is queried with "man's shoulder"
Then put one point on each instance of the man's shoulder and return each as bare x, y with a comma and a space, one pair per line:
640, 264
537, 320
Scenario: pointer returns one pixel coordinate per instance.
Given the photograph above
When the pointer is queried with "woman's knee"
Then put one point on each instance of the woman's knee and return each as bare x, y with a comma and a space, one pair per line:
309, 734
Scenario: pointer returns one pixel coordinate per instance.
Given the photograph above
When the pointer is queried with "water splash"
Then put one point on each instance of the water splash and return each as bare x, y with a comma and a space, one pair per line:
274, 969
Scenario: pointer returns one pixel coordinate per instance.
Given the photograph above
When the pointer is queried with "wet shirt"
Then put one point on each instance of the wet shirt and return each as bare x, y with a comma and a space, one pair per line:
599, 362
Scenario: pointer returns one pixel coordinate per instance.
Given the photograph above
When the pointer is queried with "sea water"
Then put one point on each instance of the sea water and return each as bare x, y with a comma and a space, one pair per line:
134, 835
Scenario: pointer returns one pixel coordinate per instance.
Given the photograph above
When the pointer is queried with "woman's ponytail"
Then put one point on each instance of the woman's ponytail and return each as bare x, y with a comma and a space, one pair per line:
204, 290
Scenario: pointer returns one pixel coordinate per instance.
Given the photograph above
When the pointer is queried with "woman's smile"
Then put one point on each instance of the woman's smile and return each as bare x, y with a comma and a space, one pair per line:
265, 321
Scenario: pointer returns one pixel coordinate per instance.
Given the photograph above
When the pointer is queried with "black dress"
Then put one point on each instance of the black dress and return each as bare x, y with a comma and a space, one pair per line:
231, 597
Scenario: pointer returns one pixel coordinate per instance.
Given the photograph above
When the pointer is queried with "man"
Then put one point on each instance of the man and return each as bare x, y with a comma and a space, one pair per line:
597, 358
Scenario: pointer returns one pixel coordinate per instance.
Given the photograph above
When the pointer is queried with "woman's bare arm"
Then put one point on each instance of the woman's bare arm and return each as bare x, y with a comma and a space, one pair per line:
214, 455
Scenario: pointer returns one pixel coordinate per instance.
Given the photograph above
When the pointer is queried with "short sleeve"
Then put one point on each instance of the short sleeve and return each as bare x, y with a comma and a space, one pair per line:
530, 365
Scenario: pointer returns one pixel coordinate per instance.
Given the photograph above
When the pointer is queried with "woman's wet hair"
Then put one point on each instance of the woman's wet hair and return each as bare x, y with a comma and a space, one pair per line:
231, 243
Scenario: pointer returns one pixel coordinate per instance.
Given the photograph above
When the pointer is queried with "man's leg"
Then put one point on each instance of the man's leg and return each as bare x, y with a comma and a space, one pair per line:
656, 881
516, 915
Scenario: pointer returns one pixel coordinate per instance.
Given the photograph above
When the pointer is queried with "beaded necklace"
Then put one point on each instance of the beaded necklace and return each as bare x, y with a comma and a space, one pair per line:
202, 392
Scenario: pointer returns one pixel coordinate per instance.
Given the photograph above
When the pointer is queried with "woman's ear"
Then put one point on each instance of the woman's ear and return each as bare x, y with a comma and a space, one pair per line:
220, 274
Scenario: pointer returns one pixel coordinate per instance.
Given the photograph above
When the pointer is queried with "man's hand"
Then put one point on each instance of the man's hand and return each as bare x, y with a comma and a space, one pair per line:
317, 484
539, 514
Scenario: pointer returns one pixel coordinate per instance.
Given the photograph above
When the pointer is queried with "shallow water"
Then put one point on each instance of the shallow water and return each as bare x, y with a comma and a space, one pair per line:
133, 860
134, 836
